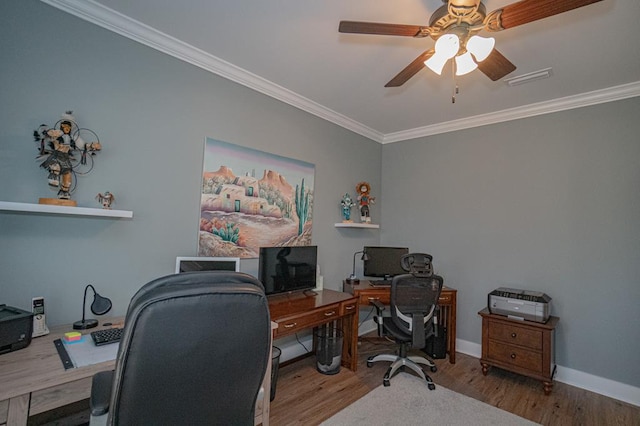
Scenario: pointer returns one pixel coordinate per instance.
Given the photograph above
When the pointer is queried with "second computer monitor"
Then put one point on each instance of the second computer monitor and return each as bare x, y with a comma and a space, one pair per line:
384, 261
188, 264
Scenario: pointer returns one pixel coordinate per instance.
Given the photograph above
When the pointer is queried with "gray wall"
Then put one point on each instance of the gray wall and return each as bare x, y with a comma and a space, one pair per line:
152, 114
549, 203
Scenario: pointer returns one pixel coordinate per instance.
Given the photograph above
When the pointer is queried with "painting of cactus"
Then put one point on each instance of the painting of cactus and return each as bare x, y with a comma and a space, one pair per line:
251, 199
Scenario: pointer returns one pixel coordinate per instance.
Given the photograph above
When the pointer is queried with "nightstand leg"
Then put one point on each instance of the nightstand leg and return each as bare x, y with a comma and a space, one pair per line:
548, 386
485, 368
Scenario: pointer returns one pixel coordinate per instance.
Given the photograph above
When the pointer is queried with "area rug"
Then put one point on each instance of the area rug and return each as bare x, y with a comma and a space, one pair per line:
408, 401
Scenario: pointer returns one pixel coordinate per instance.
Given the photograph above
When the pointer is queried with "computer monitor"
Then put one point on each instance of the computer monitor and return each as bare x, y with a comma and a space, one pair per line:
384, 261
188, 264
287, 269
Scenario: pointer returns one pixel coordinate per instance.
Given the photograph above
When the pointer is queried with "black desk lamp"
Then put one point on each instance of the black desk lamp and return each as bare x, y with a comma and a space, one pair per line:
353, 279
100, 306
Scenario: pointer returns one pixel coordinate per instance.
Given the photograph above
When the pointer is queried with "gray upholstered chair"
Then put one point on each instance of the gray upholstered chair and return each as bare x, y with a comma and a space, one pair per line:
414, 299
195, 349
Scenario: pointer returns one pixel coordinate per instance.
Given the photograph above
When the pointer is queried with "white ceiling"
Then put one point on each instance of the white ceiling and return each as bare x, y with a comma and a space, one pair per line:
291, 50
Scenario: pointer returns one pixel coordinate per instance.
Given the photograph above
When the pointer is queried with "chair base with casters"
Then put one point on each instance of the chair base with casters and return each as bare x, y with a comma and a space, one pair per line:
399, 362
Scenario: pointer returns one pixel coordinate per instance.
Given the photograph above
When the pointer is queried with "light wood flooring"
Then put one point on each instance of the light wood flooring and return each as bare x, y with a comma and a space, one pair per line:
306, 397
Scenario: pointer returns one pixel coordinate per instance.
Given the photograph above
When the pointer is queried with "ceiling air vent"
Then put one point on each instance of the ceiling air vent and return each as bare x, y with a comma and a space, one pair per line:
529, 77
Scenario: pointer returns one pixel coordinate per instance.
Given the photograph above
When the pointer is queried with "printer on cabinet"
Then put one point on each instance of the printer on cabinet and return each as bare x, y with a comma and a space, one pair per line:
520, 304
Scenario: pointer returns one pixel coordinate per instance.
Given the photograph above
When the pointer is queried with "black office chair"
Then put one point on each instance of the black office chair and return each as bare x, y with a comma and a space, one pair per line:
194, 350
414, 300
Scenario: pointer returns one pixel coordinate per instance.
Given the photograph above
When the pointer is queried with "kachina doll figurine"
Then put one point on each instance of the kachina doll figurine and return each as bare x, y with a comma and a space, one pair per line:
59, 144
365, 198
105, 199
347, 203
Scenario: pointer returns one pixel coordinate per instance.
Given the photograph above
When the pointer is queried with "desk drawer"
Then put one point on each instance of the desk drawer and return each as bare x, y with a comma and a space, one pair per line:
445, 298
384, 296
57, 396
516, 335
515, 356
347, 308
294, 324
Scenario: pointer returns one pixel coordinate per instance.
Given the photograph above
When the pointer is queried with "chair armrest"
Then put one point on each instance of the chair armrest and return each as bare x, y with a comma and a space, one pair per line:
379, 306
378, 318
100, 392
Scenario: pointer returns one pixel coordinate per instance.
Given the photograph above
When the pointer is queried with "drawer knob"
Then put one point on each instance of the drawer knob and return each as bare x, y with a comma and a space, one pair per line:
514, 335
329, 314
293, 324
350, 307
373, 298
513, 356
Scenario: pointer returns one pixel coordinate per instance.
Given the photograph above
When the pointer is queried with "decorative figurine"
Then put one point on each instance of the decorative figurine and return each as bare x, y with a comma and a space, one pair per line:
365, 198
58, 144
105, 199
347, 203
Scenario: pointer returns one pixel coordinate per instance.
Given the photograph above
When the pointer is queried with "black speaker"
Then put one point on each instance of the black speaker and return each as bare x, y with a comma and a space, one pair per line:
436, 346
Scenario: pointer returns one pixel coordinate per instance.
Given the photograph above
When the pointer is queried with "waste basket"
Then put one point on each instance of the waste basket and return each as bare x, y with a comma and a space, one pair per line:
328, 350
275, 364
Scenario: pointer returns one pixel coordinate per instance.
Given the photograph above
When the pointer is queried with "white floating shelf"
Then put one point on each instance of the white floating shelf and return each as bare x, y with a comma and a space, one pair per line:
357, 225
64, 210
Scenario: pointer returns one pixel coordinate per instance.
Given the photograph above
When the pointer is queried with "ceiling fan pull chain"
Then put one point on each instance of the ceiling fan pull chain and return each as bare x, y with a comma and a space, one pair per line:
455, 82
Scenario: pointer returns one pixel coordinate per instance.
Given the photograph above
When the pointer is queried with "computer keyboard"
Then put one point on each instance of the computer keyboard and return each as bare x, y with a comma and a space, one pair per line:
109, 335
381, 283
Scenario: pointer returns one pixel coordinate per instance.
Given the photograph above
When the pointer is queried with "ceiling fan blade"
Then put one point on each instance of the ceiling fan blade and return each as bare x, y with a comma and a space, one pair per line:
526, 11
410, 70
496, 66
383, 29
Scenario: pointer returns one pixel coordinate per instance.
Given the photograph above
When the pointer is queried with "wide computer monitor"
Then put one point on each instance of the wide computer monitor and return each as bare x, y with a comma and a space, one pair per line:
383, 261
287, 269
188, 264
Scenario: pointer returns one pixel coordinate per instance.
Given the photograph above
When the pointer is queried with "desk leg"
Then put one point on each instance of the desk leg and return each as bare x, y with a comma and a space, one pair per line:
18, 410
350, 342
452, 328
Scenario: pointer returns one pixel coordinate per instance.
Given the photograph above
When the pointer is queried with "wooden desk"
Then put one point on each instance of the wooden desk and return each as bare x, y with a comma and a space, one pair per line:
33, 380
298, 311
448, 301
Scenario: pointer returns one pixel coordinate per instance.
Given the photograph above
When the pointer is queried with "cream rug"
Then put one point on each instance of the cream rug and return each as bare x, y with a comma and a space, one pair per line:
408, 401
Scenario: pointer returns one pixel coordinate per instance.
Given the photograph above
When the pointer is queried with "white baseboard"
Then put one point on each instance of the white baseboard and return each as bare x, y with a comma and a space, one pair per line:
580, 379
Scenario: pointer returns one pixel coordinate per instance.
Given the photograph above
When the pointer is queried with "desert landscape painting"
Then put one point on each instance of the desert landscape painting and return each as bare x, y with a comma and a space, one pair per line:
252, 199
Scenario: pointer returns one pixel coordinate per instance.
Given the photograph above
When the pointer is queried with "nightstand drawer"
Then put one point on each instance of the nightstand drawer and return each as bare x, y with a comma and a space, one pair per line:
294, 324
517, 357
515, 335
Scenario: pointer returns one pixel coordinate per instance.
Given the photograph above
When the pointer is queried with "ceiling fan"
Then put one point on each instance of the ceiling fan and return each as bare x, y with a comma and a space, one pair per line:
455, 25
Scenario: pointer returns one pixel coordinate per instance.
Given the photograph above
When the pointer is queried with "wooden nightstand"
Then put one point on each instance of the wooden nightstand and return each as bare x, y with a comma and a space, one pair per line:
523, 347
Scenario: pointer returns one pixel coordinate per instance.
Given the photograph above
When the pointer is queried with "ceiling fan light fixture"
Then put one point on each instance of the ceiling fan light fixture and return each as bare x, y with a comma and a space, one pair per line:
465, 64
481, 47
446, 48
436, 63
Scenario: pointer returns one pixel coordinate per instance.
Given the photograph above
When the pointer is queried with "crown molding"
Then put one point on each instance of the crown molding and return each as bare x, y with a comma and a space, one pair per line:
118, 23
570, 102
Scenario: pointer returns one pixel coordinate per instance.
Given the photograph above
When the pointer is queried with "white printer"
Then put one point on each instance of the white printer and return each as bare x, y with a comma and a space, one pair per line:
520, 304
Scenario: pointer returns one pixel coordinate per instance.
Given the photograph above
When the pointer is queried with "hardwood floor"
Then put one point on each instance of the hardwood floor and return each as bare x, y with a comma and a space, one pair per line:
306, 397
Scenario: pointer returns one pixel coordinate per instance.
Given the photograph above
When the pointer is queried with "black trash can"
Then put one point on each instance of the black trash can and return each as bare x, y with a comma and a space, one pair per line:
328, 350
275, 364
